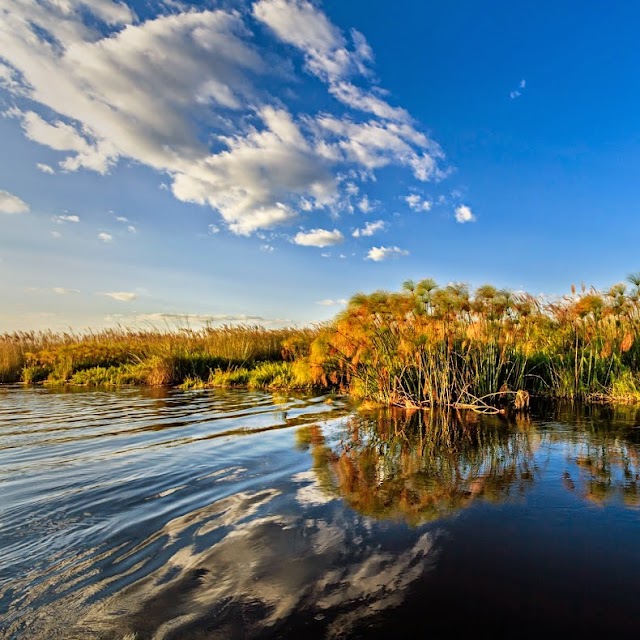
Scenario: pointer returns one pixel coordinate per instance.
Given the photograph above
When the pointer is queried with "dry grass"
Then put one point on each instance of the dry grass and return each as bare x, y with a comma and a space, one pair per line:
151, 357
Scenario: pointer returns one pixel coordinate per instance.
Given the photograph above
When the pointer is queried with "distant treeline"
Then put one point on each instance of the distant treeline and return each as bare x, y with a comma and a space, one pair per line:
426, 345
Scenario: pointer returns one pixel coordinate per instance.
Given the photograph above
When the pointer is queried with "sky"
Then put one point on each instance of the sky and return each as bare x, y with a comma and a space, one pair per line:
170, 164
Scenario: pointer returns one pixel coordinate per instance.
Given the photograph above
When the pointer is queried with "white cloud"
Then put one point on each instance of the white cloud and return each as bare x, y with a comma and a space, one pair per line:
318, 238
376, 144
56, 234
464, 214
417, 203
8, 78
331, 303
369, 229
121, 296
130, 228
516, 93
64, 291
65, 218
12, 204
213, 229
45, 168
352, 189
358, 99
299, 23
377, 254
365, 205
267, 248
251, 181
90, 71
105, 237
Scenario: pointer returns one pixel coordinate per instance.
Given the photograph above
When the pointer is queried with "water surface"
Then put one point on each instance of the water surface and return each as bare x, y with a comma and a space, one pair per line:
235, 514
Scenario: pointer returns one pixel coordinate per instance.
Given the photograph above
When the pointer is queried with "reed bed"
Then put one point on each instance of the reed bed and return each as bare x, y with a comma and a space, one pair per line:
154, 357
424, 346
429, 346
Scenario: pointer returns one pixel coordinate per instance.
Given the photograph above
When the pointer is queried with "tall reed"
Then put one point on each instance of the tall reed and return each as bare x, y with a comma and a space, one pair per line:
429, 345
152, 356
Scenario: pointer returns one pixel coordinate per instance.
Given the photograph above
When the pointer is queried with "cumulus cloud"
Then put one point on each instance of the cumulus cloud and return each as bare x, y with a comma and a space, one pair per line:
301, 24
105, 237
318, 238
369, 229
417, 203
121, 296
464, 214
10, 203
189, 94
130, 228
45, 168
358, 99
65, 218
251, 182
378, 254
375, 144
365, 205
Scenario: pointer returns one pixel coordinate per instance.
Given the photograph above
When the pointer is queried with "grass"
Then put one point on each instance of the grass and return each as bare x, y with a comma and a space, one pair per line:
212, 356
424, 346
451, 346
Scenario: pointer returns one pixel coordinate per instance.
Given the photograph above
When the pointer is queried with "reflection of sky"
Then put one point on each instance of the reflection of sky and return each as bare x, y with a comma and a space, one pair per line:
246, 535
323, 564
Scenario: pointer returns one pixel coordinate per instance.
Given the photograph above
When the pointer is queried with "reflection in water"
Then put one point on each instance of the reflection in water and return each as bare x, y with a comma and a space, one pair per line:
417, 466
246, 515
264, 572
605, 455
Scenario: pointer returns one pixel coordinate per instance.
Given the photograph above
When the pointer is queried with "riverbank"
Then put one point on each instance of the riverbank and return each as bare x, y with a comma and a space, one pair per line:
424, 346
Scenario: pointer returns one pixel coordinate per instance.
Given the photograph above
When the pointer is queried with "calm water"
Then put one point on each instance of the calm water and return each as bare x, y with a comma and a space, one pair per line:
147, 514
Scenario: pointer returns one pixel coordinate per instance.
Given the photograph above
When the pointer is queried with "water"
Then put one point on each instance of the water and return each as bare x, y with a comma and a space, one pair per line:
235, 514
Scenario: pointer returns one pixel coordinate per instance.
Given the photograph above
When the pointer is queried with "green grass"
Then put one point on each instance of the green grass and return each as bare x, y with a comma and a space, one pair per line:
156, 358
423, 346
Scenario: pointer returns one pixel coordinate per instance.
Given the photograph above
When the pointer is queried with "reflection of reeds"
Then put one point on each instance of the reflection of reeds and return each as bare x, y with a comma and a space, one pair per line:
606, 453
418, 466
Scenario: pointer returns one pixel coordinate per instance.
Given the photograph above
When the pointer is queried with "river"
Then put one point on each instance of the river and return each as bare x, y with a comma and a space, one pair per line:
147, 513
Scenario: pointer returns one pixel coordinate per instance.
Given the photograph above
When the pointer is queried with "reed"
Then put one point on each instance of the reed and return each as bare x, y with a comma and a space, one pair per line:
450, 346
153, 357
423, 346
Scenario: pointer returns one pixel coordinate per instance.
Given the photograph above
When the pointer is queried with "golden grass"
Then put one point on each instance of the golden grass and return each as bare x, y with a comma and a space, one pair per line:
157, 357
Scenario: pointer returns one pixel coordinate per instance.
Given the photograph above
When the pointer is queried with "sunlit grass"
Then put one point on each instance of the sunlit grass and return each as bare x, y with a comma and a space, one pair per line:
423, 346
153, 357
450, 346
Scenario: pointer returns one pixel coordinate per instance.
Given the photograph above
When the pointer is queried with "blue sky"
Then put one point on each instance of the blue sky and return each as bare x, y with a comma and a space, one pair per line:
260, 162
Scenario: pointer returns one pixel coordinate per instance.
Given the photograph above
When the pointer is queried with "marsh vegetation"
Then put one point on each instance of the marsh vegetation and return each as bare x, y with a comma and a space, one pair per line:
423, 346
